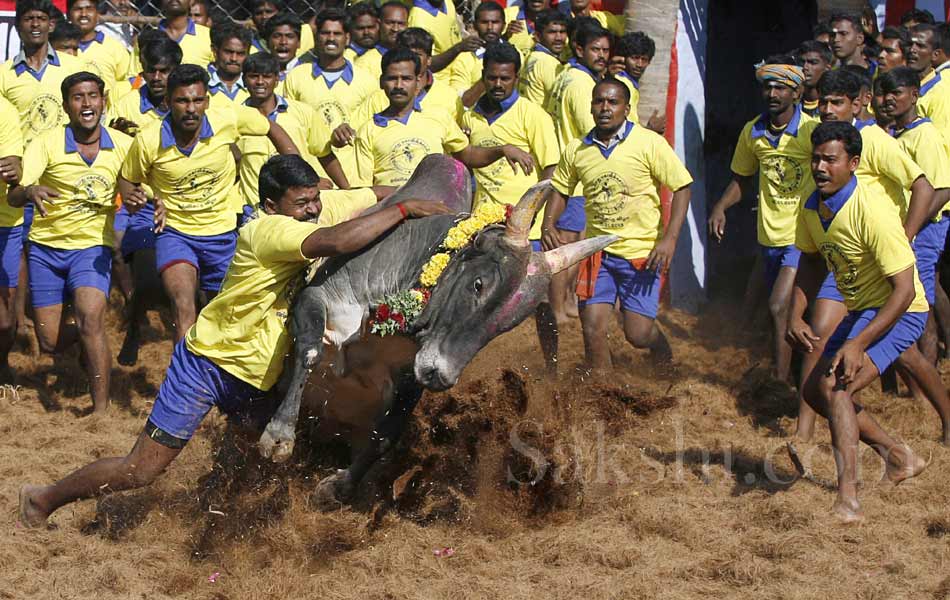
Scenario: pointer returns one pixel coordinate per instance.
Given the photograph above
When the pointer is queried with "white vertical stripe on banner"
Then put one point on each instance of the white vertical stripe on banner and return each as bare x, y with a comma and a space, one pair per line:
688, 273
880, 9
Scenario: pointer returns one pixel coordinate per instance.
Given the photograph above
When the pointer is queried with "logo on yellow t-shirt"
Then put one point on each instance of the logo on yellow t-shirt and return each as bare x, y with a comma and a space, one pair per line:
43, 113
493, 170
196, 186
407, 154
332, 112
845, 271
610, 192
95, 189
784, 173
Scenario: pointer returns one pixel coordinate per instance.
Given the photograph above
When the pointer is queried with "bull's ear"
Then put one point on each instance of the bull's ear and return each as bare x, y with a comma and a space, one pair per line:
569, 254
522, 214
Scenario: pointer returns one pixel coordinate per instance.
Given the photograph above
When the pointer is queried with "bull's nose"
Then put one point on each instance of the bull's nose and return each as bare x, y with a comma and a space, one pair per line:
432, 379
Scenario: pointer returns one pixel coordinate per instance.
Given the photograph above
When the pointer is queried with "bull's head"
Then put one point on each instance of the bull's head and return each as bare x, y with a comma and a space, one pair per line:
489, 287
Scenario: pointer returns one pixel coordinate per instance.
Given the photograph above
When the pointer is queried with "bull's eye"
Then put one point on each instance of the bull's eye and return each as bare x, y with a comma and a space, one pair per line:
477, 286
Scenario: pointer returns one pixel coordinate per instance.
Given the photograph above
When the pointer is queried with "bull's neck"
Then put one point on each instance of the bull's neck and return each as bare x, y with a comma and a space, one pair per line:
400, 257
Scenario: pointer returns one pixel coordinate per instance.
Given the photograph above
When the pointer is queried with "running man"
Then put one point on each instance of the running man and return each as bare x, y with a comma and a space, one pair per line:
777, 145
235, 352
842, 228
70, 178
393, 17
620, 167
186, 160
543, 65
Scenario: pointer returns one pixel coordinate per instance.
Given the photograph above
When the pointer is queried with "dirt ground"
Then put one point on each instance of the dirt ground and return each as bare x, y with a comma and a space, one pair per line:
630, 486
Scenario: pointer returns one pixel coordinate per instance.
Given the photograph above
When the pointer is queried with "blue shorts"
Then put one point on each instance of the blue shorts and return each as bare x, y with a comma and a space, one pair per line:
11, 247
928, 246
209, 254
536, 246
192, 385
140, 232
637, 289
829, 289
55, 273
121, 219
777, 257
573, 218
27, 219
885, 349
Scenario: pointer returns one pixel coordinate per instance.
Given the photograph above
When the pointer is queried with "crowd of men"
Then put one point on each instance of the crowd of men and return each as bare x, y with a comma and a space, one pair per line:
853, 187
228, 160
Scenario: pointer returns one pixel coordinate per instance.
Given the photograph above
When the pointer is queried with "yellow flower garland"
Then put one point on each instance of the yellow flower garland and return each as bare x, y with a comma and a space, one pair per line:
488, 213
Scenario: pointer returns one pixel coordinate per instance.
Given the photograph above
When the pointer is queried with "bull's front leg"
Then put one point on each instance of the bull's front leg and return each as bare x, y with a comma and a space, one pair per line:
309, 323
338, 488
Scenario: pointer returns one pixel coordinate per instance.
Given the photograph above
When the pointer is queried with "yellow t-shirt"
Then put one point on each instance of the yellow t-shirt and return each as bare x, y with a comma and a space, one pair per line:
243, 329
106, 57
540, 71
466, 70
371, 61
609, 21
440, 96
785, 179
934, 101
221, 97
197, 187
621, 186
862, 246
195, 45
922, 141
570, 102
885, 169
304, 128
523, 41
39, 101
521, 124
634, 88
136, 107
440, 21
389, 150
334, 102
11, 144
83, 214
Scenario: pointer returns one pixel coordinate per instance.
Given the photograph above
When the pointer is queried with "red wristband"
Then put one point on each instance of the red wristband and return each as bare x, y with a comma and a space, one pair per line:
402, 209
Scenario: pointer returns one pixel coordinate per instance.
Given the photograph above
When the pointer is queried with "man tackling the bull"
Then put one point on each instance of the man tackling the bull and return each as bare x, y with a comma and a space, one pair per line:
235, 351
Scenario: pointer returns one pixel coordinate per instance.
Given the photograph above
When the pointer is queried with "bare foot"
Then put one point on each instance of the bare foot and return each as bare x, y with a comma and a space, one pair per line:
900, 469
29, 515
847, 511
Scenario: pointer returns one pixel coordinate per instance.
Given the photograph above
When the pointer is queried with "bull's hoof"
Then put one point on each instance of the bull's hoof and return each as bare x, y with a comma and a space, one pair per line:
277, 442
332, 492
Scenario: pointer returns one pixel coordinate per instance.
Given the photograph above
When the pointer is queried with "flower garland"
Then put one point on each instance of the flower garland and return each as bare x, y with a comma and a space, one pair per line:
397, 311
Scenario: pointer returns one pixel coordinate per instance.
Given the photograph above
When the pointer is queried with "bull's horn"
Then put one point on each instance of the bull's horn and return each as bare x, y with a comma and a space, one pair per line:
522, 214
573, 253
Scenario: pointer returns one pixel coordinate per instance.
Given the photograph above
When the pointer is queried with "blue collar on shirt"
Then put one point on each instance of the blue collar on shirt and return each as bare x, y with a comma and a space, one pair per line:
506, 104
761, 126
347, 74
621, 134
189, 30
382, 50
168, 136
859, 124
930, 84
282, 106
100, 37
833, 204
917, 123
257, 43
574, 63
544, 49
19, 62
383, 121
146, 105
105, 143
432, 10
628, 77
359, 50
215, 84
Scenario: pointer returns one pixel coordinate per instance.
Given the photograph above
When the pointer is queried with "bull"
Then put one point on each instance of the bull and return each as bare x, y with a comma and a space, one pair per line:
488, 287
